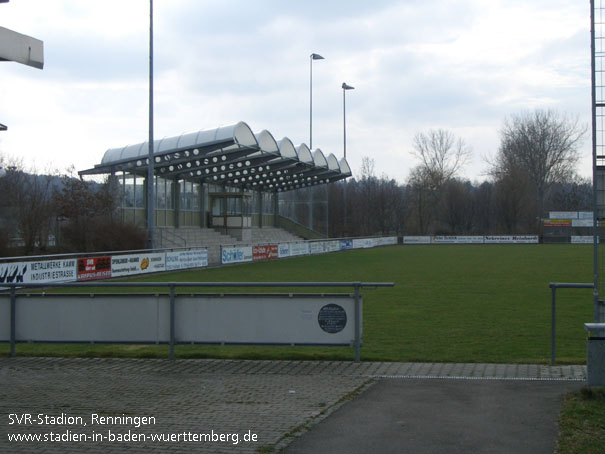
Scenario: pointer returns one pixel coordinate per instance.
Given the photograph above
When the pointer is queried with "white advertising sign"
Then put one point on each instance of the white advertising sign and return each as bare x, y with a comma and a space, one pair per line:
498, 239
299, 249
332, 246
283, 250
458, 240
39, 272
317, 247
582, 222
362, 243
563, 215
236, 254
416, 240
526, 239
582, 239
128, 265
386, 241
585, 215
186, 259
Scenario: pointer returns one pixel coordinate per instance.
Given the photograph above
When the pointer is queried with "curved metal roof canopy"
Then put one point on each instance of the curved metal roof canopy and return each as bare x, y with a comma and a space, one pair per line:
231, 155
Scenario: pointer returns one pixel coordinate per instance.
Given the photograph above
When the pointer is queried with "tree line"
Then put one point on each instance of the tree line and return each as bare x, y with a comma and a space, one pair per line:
533, 172
54, 213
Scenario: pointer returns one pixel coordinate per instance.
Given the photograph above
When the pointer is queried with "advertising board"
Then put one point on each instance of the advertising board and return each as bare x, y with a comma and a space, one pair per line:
317, 247
181, 260
283, 250
237, 254
266, 252
93, 268
299, 249
346, 245
417, 240
129, 265
449, 239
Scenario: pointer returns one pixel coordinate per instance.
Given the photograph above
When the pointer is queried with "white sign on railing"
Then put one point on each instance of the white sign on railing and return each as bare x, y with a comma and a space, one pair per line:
181, 260
237, 254
39, 272
129, 265
417, 240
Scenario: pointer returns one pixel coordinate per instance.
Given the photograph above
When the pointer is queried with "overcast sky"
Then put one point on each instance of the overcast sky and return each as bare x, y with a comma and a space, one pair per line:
461, 65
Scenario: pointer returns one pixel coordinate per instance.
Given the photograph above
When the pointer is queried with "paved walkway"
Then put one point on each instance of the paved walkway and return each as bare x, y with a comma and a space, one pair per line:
100, 405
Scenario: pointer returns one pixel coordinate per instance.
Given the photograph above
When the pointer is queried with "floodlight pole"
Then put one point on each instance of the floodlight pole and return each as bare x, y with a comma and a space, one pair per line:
345, 87
595, 220
311, 58
150, 158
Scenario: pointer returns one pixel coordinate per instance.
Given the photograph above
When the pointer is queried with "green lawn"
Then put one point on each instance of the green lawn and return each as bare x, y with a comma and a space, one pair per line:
458, 303
582, 423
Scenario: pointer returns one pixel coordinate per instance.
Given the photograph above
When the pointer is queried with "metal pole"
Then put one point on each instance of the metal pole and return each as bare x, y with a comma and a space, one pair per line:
344, 122
344, 128
150, 158
553, 321
357, 323
13, 320
172, 321
311, 102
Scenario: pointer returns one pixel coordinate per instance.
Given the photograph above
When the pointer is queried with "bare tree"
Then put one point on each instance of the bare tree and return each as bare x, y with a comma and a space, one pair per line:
543, 145
442, 155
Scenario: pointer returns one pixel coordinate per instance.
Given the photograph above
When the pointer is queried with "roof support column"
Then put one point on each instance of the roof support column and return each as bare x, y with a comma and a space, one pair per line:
177, 202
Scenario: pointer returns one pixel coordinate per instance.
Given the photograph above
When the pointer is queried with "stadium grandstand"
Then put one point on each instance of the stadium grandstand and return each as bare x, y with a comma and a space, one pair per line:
224, 186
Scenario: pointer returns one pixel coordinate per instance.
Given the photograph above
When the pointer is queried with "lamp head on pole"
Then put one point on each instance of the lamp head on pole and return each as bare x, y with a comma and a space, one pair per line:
347, 87
316, 57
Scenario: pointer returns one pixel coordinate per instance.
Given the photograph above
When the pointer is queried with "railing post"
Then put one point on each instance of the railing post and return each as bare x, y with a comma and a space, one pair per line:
553, 321
171, 321
357, 323
13, 319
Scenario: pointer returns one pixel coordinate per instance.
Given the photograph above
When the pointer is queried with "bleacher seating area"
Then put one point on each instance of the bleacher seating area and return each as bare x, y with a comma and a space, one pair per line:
168, 237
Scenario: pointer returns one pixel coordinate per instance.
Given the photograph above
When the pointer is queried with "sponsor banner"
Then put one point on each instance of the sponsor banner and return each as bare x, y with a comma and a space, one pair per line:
416, 240
13, 272
283, 250
266, 252
346, 244
526, 239
317, 247
498, 239
299, 249
458, 239
332, 246
362, 243
512, 239
386, 241
93, 268
582, 239
181, 260
582, 222
51, 271
563, 215
585, 215
128, 265
236, 254
557, 222
39, 272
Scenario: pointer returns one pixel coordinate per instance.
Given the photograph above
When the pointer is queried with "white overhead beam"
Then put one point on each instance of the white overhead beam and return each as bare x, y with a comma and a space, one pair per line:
21, 48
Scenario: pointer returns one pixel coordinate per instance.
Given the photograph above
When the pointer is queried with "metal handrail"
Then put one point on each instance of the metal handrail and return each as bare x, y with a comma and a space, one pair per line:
553, 319
13, 287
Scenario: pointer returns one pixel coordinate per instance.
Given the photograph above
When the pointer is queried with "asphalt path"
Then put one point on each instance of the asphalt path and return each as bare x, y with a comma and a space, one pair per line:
443, 416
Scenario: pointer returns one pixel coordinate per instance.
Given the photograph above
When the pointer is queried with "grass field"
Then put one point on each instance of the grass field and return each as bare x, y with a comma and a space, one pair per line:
458, 303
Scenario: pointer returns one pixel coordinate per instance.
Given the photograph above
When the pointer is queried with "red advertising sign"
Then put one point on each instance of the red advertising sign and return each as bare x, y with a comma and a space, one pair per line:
268, 252
92, 268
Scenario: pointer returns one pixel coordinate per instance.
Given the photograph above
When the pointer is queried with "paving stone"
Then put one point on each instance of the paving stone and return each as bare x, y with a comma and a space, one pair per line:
268, 398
